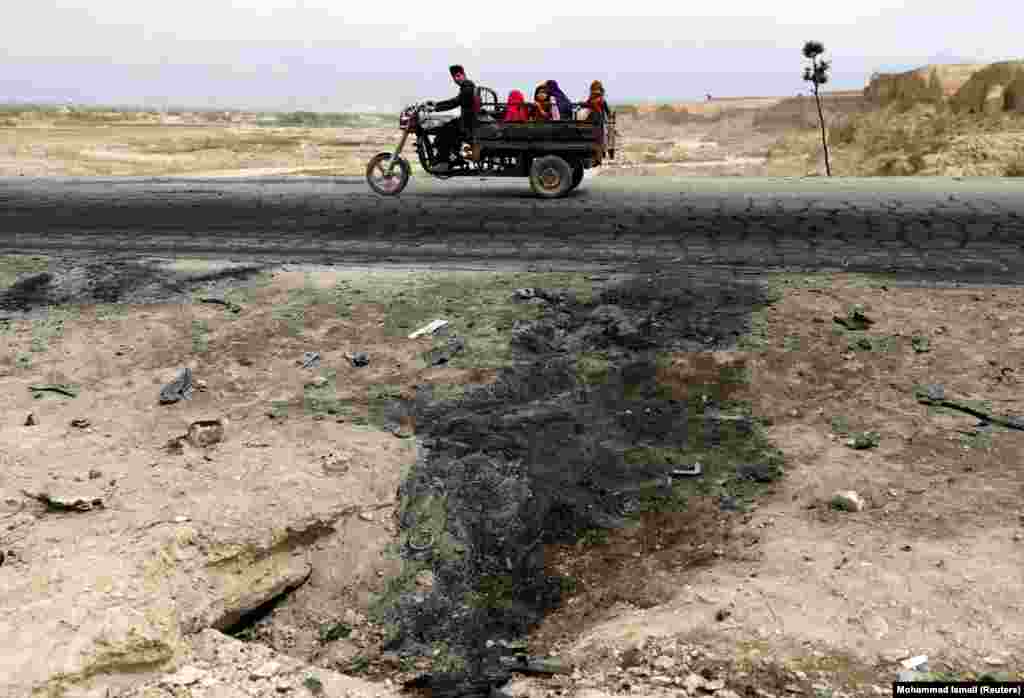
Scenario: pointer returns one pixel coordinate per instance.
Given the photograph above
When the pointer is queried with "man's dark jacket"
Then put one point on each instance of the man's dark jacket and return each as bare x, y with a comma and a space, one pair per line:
465, 100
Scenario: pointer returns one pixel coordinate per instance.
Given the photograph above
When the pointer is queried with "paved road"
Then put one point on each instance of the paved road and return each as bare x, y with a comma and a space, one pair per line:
970, 229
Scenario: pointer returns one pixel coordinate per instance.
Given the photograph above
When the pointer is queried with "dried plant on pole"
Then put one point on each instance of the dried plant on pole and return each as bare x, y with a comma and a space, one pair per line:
817, 74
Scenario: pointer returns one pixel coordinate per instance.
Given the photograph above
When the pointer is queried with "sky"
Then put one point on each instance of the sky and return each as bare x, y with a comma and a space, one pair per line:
341, 55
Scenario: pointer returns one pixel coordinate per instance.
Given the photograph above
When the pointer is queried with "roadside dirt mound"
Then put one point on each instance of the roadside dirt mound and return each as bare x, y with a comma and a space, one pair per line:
995, 88
938, 81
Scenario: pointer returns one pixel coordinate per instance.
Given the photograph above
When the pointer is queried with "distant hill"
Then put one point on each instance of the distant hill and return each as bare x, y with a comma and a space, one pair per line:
979, 87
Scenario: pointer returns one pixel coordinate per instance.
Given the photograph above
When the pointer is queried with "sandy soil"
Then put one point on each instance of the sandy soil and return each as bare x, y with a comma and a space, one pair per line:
728, 145
303, 483
751, 137
189, 536
929, 565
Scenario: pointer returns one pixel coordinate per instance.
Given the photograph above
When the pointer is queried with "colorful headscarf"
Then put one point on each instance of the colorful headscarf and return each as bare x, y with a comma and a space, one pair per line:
543, 109
596, 100
563, 102
516, 107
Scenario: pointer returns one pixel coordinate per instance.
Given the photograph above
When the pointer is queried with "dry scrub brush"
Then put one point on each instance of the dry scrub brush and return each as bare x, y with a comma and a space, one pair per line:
901, 140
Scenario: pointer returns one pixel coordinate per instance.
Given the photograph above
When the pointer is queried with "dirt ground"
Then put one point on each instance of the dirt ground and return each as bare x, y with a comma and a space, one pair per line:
304, 484
749, 137
927, 567
61, 147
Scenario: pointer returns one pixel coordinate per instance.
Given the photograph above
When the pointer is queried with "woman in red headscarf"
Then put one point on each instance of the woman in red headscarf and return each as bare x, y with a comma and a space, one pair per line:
516, 110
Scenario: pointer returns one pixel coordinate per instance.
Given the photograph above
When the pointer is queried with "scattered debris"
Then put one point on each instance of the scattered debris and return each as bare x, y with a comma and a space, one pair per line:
693, 682
186, 676
727, 502
538, 296
895, 655
310, 359
443, 354
404, 427
758, 472
266, 670
206, 432
918, 663
81, 423
527, 665
847, 501
864, 440
934, 396
62, 388
359, 359
66, 503
430, 328
1007, 375
230, 305
855, 320
175, 446
335, 464
178, 389
30, 420
688, 470
920, 343
910, 676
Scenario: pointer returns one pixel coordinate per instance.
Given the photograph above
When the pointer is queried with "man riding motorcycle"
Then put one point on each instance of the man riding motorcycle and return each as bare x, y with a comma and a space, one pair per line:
450, 135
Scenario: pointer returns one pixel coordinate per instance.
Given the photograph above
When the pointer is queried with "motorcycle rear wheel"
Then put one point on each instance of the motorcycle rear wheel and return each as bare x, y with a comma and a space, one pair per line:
378, 179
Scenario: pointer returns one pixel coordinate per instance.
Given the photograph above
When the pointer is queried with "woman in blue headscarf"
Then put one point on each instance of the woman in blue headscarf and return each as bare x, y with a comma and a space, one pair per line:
560, 99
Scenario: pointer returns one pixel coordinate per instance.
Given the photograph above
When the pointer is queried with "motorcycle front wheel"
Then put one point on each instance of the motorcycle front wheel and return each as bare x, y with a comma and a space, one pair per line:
379, 180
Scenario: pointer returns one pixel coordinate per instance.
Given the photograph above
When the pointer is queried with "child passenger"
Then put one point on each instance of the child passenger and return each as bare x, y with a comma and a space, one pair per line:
516, 107
542, 104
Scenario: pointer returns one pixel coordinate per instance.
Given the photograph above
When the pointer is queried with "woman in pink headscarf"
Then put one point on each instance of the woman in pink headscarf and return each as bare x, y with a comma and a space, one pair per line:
516, 110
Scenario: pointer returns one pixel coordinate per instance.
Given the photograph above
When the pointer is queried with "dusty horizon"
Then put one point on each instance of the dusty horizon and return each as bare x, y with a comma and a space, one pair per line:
361, 109
313, 56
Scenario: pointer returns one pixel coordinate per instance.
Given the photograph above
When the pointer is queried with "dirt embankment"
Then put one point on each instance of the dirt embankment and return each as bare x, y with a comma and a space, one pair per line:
798, 113
974, 87
941, 80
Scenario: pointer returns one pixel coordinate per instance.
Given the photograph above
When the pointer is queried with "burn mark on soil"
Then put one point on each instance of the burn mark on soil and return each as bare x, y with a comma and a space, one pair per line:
540, 455
114, 281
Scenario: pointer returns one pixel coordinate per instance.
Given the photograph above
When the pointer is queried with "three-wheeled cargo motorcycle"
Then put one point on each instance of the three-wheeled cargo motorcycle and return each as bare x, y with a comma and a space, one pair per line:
553, 154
